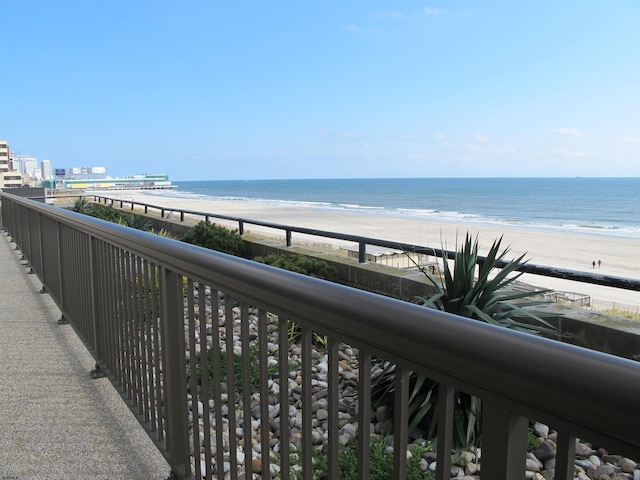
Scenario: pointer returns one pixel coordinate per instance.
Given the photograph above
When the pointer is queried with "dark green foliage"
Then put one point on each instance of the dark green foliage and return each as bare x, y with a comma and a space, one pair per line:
254, 369
109, 214
380, 463
138, 222
81, 205
482, 293
301, 264
486, 293
215, 237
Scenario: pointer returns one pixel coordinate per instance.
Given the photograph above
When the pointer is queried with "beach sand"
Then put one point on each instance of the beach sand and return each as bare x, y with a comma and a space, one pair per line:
619, 256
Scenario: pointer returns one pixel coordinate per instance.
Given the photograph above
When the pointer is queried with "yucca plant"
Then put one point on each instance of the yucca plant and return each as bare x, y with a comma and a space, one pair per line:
80, 205
481, 290
138, 222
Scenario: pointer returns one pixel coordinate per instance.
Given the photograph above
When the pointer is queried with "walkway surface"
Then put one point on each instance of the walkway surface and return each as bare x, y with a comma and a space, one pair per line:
55, 421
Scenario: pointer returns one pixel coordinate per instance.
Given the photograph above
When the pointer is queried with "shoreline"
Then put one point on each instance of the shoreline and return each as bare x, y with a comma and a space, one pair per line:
619, 256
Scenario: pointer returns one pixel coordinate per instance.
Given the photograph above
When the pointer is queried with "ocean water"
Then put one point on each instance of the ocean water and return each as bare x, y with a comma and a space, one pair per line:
600, 206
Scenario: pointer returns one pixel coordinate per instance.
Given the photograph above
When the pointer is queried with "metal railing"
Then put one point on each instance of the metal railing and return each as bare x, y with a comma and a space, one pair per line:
363, 242
152, 310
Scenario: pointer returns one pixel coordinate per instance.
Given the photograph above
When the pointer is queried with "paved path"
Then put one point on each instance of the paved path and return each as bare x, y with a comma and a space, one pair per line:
55, 421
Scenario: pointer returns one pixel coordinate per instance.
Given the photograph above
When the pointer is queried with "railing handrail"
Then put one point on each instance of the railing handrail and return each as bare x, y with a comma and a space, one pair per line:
542, 270
537, 377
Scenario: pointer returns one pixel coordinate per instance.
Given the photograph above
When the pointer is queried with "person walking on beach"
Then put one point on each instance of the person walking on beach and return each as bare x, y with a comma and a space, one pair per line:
599, 263
594, 264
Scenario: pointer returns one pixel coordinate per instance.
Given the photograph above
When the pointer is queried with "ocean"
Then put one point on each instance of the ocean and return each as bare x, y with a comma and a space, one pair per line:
594, 206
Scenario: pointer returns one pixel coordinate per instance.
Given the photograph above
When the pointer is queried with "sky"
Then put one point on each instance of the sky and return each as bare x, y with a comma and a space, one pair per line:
249, 89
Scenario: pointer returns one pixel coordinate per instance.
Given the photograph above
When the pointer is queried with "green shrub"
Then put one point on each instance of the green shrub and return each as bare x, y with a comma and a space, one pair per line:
311, 266
216, 237
380, 462
81, 205
254, 369
109, 214
138, 222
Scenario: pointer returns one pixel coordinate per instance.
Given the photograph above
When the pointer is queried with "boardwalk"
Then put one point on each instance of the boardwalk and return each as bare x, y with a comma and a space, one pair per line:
55, 421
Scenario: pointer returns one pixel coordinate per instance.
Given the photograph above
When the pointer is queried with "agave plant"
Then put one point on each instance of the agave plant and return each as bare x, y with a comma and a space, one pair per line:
80, 205
490, 296
481, 290
138, 222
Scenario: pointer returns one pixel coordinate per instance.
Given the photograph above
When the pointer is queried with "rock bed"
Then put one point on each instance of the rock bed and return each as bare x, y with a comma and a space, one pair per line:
590, 464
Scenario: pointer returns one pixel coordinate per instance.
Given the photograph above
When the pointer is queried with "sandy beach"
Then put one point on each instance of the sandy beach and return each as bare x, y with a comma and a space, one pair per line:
618, 256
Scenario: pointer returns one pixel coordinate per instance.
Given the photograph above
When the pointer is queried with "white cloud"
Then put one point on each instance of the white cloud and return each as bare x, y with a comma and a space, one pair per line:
443, 138
481, 138
431, 11
569, 131
628, 139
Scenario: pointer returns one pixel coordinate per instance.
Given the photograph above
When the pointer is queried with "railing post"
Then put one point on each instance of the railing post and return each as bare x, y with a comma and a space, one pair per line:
241, 227
182, 215
504, 443
94, 292
174, 370
362, 252
288, 236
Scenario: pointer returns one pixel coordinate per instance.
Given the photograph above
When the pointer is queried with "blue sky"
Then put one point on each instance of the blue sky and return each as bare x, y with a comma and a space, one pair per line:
330, 89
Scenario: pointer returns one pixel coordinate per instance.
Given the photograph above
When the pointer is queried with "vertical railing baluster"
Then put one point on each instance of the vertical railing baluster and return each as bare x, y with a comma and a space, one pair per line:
146, 331
94, 300
400, 422
307, 361
174, 372
204, 374
246, 389
157, 357
445, 431
231, 386
283, 363
119, 284
264, 391
504, 443
217, 381
193, 379
333, 381
137, 334
364, 414
128, 322
565, 457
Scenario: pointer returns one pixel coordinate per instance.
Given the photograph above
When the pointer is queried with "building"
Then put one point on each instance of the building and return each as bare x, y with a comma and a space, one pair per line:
9, 178
133, 182
46, 170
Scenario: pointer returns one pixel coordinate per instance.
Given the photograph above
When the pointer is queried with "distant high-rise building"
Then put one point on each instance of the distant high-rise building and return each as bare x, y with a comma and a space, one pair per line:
46, 170
27, 164
8, 176
4, 156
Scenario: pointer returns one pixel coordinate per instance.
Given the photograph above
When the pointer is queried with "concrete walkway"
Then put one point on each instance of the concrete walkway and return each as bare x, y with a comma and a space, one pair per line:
55, 421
